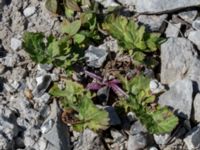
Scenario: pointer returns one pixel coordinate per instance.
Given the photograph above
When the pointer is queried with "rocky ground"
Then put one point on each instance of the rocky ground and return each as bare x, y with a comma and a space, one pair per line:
31, 120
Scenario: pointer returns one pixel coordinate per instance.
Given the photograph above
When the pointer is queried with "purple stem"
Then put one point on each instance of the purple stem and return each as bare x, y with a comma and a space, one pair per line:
118, 90
94, 86
92, 75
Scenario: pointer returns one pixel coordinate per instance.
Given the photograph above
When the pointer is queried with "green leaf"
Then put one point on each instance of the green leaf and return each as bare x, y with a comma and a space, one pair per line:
163, 121
138, 56
33, 43
72, 4
54, 48
54, 51
52, 5
71, 28
76, 97
91, 116
79, 38
157, 120
130, 35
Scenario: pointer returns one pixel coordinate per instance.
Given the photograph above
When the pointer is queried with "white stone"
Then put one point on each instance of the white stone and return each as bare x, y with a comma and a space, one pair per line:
156, 87
29, 11
47, 126
173, 30
42, 144
15, 44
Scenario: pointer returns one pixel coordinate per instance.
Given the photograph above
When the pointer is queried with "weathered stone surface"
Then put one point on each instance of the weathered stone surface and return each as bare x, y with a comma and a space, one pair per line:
58, 135
192, 138
161, 6
173, 30
96, 56
177, 98
89, 140
29, 11
194, 36
152, 22
114, 118
196, 23
177, 55
127, 2
188, 16
136, 142
196, 107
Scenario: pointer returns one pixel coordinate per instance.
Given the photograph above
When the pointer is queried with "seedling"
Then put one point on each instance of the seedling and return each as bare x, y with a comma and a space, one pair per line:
100, 83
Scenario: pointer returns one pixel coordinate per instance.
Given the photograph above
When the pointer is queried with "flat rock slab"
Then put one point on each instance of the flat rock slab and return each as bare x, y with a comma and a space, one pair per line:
177, 56
163, 6
179, 97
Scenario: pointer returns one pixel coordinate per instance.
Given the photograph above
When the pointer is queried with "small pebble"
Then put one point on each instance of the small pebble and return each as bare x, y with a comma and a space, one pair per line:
47, 126
29, 11
15, 44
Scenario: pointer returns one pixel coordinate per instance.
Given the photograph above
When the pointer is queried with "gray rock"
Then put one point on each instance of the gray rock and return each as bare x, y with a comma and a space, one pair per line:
96, 56
16, 44
43, 82
2, 3
127, 2
161, 6
153, 22
188, 16
177, 55
156, 87
89, 140
44, 99
29, 11
117, 136
194, 73
18, 73
173, 30
196, 24
153, 148
42, 144
108, 3
103, 94
46, 67
137, 128
177, 98
58, 135
8, 127
5, 144
196, 106
31, 136
194, 36
113, 116
47, 126
131, 116
192, 138
136, 142
10, 60
178, 144
161, 139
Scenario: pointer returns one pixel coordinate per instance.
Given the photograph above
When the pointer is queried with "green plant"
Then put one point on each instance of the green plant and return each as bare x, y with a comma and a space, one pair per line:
157, 120
75, 97
83, 31
50, 50
131, 37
